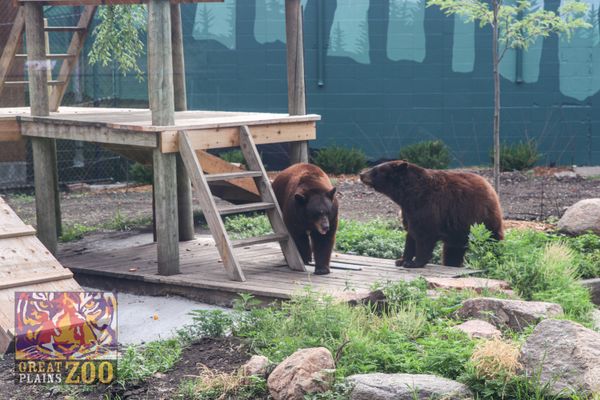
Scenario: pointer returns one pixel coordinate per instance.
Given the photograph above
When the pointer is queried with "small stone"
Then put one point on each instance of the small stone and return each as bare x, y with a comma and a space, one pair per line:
477, 328
304, 372
476, 284
565, 356
565, 175
255, 366
513, 314
406, 387
582, 217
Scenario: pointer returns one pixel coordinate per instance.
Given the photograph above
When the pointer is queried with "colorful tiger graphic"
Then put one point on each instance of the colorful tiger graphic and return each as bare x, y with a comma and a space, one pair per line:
65, 325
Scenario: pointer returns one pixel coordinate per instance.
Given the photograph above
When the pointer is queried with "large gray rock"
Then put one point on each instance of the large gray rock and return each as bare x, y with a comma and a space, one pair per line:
477, 328
305, 371
581, 217
406, 386
565, 355
513, 314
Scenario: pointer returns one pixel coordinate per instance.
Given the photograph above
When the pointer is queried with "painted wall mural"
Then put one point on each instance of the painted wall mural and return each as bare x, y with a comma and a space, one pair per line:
216, 21
349, 36
406, 33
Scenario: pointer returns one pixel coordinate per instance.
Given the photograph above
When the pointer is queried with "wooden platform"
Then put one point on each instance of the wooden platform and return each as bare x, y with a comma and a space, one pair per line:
25, 265
203, 277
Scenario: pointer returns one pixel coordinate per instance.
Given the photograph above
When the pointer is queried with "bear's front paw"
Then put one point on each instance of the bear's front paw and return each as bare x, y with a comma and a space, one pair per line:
399, 262
413, 264
322, 271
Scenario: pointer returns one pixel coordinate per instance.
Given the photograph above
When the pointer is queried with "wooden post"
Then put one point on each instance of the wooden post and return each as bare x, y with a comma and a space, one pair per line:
295, 73
160, 93
185, 209
44, 150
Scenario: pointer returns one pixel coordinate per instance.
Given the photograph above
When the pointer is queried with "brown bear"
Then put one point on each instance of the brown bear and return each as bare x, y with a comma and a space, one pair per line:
436, 205
310, 209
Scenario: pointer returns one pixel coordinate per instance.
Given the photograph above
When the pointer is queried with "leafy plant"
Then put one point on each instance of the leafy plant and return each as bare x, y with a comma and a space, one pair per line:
233, 156
428, 154
518, 156
340, 160
242, 226
212, 323
117, 38
75, 232
376, 238
138, 363
141, 173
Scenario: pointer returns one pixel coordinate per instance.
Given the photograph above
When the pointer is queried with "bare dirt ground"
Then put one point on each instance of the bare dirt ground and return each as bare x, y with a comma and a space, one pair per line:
530, 196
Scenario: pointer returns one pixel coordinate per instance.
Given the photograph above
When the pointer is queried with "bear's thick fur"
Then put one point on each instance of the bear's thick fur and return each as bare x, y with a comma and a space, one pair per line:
310, 208
436, 205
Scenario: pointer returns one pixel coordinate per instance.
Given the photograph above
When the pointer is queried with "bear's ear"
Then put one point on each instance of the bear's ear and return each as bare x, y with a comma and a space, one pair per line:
300, 199
401, 166
331, 193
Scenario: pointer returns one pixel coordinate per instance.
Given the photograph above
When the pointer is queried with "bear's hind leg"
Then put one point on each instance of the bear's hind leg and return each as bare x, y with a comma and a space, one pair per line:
453, 256
322, 247
303, 245
409, 251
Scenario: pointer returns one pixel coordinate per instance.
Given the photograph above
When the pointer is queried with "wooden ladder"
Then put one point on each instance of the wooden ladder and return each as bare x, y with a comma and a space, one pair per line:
69, 59
213, 214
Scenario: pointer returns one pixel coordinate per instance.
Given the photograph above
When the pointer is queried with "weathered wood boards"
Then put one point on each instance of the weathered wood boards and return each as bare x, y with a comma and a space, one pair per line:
25, 264
102, 2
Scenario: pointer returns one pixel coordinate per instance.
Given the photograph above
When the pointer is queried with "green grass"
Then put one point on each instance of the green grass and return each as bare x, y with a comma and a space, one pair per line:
118, 223
75, 232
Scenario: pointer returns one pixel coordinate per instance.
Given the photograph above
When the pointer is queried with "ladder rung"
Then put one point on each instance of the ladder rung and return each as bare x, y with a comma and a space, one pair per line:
23, 83
65, 55
273, 237
232, 175
242, 208
64, 28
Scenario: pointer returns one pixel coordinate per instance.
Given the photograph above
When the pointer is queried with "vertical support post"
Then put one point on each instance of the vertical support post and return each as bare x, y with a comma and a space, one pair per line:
185, 210
160, 93
295, 72
44, 150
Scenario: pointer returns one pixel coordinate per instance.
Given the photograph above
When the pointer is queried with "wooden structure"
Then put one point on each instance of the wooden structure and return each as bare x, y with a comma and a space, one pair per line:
25, 265
168, 134
202, 277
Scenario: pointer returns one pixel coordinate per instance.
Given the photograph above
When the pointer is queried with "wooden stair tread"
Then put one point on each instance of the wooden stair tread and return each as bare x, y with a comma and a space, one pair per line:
232, 175
58, 55
242, 208
273, 237
24, 83
21, 231
64, 28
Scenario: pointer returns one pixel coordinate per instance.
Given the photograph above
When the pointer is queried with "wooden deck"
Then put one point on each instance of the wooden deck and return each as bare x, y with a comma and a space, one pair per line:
203, 277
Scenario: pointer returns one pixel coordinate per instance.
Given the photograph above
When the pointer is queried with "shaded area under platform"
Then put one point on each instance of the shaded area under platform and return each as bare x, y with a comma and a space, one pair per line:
203, 277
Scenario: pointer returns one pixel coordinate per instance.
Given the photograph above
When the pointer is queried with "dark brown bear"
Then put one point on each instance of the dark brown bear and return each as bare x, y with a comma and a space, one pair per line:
436, 205
307, 200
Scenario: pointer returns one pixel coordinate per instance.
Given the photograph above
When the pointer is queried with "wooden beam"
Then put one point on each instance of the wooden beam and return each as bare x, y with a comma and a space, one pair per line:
218, 138
162, 106
185, 208
295, 72
103, 2
36, 59
215, 165
11, 46
69, 63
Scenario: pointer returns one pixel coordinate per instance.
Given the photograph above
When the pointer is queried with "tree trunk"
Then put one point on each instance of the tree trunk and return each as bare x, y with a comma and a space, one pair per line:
496, 63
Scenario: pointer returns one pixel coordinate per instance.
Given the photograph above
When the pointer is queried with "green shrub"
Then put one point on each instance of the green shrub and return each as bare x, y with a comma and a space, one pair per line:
376, 239
233, 156
518, 156
141, 173
340, 160
428, 154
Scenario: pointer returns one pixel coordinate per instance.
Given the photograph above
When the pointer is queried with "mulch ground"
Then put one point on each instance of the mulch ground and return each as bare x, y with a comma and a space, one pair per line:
218, 354
535, 195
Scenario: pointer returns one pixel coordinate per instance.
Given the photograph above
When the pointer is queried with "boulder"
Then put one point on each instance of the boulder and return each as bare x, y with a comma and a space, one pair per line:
472, 283
594, 286
477, 328
255, 366
513, 314
406, 386
305, 371
565, 355
596, 320
581, 217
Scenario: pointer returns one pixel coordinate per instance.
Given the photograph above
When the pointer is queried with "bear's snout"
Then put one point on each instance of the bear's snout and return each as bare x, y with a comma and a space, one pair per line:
365, 176
322, 225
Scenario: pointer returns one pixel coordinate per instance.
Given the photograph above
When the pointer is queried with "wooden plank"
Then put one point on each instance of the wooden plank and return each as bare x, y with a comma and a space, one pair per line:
73, 51
10, 131
63, 28
165, 181
243, 208
11, 46
44, 165
295, 72
34, 127
209, 208
217, 138
288, 247
9, 233
36, 58
26, 83
105, 2
215, 165
274, 237
232, 175
30, 280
